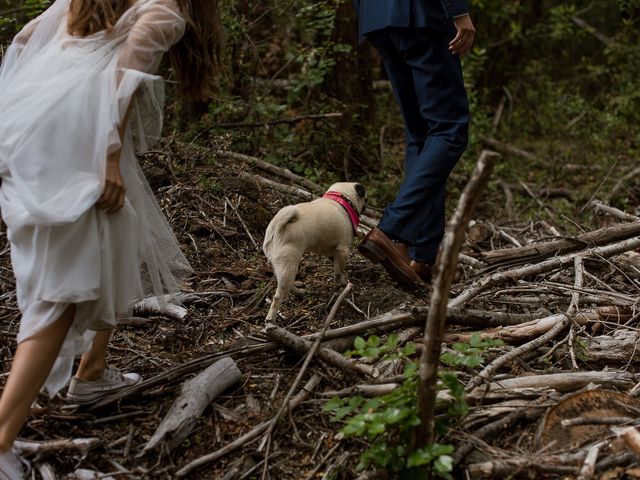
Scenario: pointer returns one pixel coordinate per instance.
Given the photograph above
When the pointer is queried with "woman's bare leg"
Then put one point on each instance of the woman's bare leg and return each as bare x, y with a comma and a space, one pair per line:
93, 362
31, 366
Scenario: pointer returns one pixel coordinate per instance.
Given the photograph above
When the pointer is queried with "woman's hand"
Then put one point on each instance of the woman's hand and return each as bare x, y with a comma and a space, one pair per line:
112, 198
462, 43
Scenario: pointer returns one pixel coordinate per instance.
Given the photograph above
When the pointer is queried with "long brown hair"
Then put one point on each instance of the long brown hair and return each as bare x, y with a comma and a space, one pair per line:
89, 17
196, 58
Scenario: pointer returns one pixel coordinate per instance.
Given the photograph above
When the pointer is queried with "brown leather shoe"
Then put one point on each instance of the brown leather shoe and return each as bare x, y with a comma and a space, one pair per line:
393, 256
422, 270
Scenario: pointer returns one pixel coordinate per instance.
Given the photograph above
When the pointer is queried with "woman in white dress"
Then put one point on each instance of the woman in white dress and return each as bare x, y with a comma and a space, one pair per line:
78, 96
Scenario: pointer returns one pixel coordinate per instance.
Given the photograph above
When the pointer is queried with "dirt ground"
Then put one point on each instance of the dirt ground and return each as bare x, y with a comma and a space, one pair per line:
232, 277
219, 218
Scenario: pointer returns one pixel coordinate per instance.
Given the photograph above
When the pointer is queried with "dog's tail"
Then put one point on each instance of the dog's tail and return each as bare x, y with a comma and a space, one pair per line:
285, 216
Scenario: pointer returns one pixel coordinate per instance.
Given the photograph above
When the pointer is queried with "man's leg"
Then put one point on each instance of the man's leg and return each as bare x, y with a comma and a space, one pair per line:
402, 81
417, 215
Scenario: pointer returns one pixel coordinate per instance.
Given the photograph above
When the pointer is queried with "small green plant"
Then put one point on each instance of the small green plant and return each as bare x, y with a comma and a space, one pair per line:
388, 422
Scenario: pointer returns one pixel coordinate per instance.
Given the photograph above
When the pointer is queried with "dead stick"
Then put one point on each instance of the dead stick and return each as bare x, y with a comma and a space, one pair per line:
574, 306
541, 250
307, 361
614, 212
279, 121
301, 346
507, 148
445, 269
271, 168
250, 436
244, 225
531, 270
486, 373
28, 447
490, 430
592, 30
317, 468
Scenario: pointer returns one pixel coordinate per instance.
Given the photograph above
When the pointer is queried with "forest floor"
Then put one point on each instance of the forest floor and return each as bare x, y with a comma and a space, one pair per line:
219, 218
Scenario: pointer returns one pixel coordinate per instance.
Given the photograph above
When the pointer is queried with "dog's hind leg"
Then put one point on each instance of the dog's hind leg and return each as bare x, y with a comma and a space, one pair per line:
286, 269
340, 257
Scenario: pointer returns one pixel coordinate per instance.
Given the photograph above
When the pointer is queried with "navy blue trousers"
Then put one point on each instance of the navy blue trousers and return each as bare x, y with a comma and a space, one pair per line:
428, 85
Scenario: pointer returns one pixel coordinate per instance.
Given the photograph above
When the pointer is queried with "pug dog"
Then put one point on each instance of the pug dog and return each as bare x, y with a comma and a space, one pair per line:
325, 226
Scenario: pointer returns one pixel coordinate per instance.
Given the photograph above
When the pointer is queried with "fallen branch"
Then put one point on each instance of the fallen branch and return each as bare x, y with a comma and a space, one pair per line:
29, 447
589, 465
488, 371
542, 250
631, 438
271, 168
490, 430
301, 346
195, 395
445, 269
278, 121
307, 361
152, 306
507, 148
562, 382
250, 436
614, 212
553, 264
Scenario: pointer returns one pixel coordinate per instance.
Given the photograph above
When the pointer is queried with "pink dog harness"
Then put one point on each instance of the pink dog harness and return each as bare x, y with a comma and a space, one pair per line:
345, 203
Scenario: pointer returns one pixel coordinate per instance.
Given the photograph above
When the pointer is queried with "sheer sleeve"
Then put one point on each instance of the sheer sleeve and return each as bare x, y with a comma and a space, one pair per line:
24, 35
159, 25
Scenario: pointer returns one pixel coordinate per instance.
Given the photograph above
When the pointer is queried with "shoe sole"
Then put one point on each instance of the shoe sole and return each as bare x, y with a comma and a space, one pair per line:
374, 254
89, 398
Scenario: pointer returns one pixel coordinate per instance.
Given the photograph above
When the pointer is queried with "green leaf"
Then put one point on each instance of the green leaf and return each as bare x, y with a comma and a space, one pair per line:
475, 340
472, 361
332, 404
355, 427
376, 427
410, 370
419, 457
392, 341
359, 343
443, 464
372, 405
373, 341
450, 359
395, 415
409, 349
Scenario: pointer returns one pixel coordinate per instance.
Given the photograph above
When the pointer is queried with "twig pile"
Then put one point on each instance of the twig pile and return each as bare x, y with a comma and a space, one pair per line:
566, 307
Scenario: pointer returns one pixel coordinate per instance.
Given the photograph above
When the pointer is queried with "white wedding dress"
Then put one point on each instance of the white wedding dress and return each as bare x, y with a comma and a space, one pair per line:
62, 99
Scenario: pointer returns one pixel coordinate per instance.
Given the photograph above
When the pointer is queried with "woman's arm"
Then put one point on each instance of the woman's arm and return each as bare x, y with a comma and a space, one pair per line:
24, 35
159, 26
113, 194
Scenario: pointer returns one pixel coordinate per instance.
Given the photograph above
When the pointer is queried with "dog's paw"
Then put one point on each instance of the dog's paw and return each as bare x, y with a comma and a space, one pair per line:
298, 288
341, 281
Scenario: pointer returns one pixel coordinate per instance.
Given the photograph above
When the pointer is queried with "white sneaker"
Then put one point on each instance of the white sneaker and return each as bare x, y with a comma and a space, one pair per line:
82, 392
10, 467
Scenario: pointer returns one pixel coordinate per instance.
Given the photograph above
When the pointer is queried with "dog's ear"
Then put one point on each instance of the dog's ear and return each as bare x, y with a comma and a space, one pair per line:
360, 191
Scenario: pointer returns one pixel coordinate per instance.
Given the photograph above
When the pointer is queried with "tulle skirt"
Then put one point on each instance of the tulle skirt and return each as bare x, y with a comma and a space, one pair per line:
101, 263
